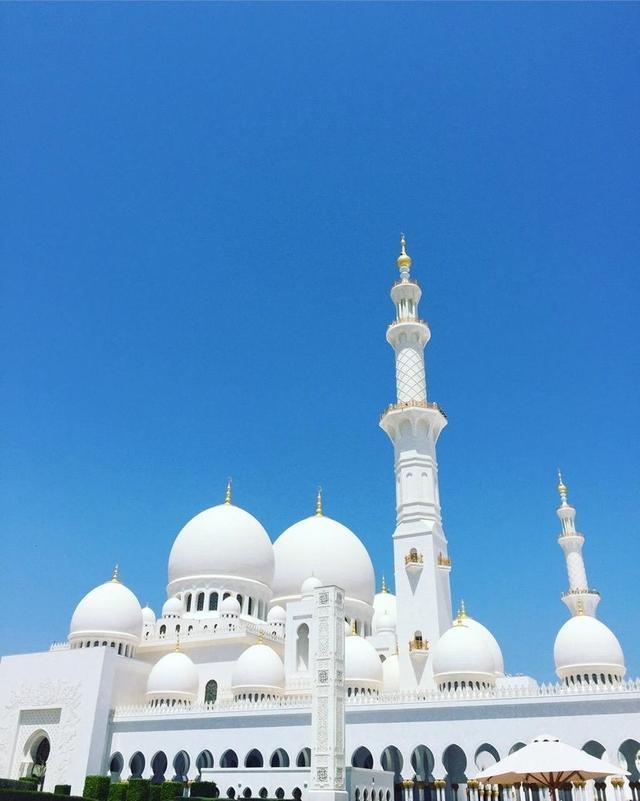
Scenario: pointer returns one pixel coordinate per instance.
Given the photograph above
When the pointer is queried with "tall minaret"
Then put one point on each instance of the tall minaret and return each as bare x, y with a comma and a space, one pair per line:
421, 560
578, 598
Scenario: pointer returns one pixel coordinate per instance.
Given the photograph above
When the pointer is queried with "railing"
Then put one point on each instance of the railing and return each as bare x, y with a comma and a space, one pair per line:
444, 561
413, 558
419, 646
580, 592
394, 407
402, 320
59, 646
412, 697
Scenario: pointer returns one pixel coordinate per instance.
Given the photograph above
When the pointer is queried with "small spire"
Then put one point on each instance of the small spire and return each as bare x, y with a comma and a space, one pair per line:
562, 490
319, 512
384, 584
227, 494
116, 571
178, 648
462, 613
261, 636
404, 260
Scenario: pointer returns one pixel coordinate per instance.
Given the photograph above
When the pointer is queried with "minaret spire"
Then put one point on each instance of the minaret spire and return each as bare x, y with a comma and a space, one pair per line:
319, 512
414, 424
578, 598
228, 492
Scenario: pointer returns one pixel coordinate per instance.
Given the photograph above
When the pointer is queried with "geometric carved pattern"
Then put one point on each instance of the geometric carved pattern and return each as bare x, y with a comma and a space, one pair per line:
327, 712
410, 377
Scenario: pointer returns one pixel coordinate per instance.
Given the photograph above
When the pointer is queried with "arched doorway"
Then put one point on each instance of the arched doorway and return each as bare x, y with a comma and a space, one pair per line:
391, 759
362, 758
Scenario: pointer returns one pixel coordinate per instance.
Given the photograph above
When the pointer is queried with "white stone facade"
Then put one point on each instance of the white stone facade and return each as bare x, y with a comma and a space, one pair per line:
277, 670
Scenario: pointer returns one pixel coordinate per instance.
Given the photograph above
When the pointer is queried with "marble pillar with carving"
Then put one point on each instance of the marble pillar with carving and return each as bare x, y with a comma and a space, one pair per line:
327, 713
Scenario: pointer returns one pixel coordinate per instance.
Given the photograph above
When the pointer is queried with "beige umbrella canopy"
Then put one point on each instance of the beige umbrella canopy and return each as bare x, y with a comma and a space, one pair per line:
548, 762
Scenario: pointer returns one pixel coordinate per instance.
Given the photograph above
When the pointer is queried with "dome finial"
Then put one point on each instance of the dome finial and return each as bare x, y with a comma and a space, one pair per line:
384, 584
116, 571
462, 613
404, 260
227, 494
178, 648
562, 490
261, 636
319, 512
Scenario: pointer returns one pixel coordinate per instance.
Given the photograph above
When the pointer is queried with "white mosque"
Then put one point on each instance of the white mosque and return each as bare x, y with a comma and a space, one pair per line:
277, 671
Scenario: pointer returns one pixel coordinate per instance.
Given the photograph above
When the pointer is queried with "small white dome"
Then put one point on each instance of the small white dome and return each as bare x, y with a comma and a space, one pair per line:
585, 646
362, 665
109, 610
309, 585
277, 614
391, 674
385, 623
320, 546
148, 616
223, 541
174, 677
258, 670
384, 603
230, 605
172, 607
463, 655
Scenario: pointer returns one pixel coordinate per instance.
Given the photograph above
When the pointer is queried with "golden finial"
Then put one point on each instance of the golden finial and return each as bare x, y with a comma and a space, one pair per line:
116, 571
178, 648
579, 607
227, 494
319, 512
384, 584
261, 636
404, 260
462, 613
561, 488
353, 627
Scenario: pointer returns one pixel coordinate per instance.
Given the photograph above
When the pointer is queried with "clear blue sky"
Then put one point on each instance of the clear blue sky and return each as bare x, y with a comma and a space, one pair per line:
201, 206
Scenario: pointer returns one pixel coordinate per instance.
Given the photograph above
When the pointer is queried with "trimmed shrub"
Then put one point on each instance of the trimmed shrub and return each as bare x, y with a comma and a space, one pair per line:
138, 790
11, 784
96, 787
62, 789
10, 794
118, 791
154, 792
170, 790
204, 790
29, 782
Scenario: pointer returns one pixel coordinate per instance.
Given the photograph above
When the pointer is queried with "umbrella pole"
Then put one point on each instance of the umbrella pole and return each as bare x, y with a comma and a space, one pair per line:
552, 792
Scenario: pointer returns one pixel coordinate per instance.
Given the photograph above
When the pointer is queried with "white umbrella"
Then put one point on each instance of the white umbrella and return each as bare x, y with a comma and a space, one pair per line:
550, 763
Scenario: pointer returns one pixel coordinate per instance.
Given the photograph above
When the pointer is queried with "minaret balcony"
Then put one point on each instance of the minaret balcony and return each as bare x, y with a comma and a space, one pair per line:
412, 404
444, 562
413, 561
418, 649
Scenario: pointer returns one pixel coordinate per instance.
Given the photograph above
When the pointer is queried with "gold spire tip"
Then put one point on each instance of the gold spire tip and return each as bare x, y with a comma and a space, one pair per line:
319, 512
227, 493
404, 260
562, 489
384, 584
261, 636
462, 613
178, 648
116, 572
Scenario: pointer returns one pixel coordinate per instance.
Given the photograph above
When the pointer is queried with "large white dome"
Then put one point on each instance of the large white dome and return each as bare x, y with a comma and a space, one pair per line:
258, 670
111, 611
463, 656
322, 547
585, 646
391, 674
223, 541
174, 677
492, 644
362, 665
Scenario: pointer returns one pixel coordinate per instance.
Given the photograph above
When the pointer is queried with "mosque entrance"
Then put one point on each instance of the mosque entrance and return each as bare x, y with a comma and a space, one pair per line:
38, 750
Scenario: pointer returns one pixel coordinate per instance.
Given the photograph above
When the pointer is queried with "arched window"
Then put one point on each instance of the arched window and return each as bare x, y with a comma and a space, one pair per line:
136, 765
250, 606
226, 595
303, 760
254, 759
213, 601
211, 691
302, 647
362, 758
279, 759
188, 602
263, 792
163, 630
246, 793
204, 760
279, 793
116, 765
181, 764
240, 599
158, 766
229, 759
200, 604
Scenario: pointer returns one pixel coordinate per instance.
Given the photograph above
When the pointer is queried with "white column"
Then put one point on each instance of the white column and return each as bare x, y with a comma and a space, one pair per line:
327, 781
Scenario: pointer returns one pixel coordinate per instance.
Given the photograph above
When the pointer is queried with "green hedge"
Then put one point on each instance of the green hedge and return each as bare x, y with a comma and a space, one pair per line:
154, 792
118, 791
96, 787
138, 790
170, 790
204, 790
62, 789
9, 794
29, 782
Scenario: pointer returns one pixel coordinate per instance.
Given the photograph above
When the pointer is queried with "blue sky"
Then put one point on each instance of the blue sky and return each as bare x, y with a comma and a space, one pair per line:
201, 207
